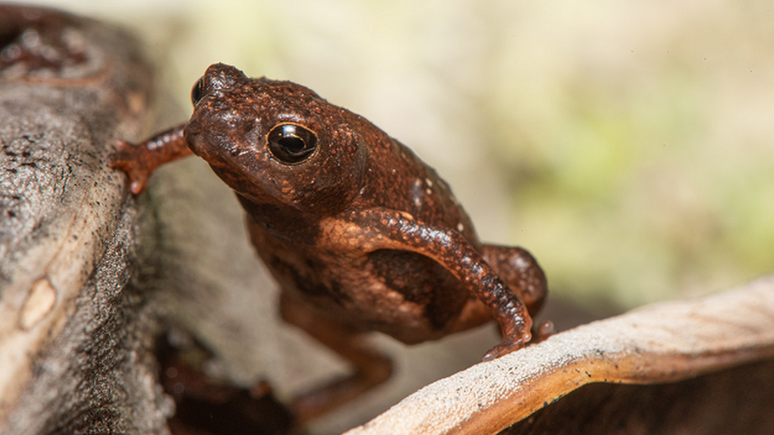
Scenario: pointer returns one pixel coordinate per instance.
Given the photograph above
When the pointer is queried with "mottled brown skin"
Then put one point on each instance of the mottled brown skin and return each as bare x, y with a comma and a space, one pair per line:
360, 234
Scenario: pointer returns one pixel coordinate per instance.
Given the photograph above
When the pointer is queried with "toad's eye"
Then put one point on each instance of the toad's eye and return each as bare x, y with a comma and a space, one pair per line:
197, 91
291, 143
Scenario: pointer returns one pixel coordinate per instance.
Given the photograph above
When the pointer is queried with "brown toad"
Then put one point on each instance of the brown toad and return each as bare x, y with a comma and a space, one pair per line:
360, 234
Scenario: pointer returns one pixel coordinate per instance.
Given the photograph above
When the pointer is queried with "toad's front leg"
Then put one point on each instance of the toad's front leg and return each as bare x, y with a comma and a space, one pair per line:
381, 228
141, 160
519, 269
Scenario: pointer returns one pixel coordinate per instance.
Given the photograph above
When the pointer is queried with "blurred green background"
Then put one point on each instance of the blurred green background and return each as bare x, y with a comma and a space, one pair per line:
628, 145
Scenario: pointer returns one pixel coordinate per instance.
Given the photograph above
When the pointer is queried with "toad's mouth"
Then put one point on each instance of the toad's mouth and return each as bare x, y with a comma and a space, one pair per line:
235, 164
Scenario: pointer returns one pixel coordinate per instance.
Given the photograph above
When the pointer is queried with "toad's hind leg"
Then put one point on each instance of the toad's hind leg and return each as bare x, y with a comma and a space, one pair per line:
371, 367
519, 269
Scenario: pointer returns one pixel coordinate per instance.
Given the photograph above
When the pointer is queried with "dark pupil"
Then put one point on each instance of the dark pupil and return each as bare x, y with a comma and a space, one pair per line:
291, 143
196, 91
